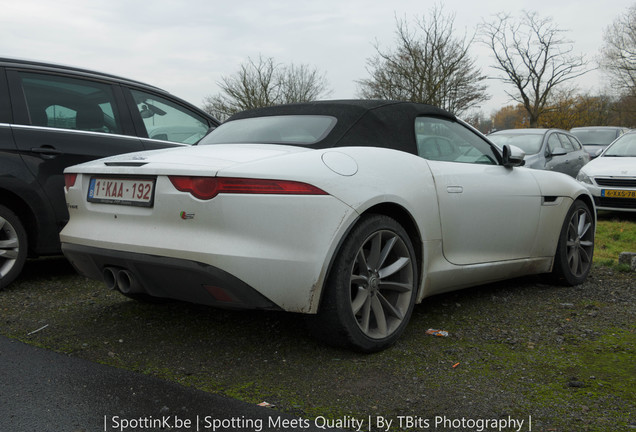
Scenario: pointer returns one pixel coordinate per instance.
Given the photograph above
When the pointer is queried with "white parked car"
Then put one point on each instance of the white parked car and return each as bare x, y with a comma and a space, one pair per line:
348, 211
611, 177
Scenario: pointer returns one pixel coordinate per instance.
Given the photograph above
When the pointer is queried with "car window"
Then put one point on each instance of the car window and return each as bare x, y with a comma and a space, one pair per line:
530, 143
69, 103
168, 121
625, 146
554, 143
595, 136
575, 143
445, 140
302, 130
566, 143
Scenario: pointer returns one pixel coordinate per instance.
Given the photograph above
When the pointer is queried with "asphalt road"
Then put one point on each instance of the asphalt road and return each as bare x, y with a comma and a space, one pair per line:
43, 391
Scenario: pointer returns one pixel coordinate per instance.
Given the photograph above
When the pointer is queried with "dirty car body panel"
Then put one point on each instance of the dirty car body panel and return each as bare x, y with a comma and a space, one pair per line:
349, 211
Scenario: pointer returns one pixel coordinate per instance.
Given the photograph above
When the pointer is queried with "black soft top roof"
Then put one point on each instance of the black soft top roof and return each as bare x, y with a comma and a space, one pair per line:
375, 123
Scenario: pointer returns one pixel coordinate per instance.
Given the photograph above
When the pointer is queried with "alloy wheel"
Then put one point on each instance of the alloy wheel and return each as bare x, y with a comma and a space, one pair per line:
382, 283
580, 242
9, 247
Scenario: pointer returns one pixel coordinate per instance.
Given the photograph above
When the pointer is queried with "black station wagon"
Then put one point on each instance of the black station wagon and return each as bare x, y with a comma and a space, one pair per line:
54, 116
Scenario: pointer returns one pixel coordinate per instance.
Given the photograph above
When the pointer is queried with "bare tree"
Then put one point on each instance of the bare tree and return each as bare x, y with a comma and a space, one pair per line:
302, 84
264, 83
428, 65
618, 55
533, 57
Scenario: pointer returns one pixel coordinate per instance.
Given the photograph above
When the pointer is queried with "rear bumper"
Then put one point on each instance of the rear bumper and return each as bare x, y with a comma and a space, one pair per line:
166, 277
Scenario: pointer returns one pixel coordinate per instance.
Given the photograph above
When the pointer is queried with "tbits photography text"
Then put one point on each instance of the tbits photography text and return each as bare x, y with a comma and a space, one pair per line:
345, 423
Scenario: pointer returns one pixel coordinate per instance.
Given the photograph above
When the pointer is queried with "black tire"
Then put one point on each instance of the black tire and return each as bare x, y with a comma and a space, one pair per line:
13, 246
573, 259
371, 289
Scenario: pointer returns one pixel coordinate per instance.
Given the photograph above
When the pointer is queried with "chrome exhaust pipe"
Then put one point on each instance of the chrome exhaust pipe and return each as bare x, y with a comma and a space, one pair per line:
110, 277
127, 283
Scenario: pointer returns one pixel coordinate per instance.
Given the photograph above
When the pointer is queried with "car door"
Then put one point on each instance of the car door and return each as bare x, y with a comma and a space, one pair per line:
572, 162
62, 120
7, 147
488, 212
558, 155
578, 155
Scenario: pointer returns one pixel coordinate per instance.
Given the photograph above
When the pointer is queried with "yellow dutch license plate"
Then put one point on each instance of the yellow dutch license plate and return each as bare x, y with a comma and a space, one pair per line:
618, 193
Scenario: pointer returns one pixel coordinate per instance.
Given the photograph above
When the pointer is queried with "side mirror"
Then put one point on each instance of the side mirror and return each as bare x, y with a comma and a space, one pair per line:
512, 156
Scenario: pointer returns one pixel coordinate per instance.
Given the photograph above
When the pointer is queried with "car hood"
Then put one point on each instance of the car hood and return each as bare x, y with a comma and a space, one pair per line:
594, 146
611, 166
205, 160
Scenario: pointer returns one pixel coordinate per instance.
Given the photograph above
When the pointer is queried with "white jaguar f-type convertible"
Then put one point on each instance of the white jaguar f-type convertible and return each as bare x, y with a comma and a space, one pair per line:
349, 211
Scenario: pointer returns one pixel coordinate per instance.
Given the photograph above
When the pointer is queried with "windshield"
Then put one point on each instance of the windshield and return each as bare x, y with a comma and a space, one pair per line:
595, 136
529, 143
625, 146
289, 129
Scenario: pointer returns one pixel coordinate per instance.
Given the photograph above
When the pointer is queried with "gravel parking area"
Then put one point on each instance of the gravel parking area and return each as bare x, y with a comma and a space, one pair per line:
555, 358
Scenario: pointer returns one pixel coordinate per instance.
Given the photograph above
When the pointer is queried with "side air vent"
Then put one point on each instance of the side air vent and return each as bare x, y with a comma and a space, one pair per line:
549, 200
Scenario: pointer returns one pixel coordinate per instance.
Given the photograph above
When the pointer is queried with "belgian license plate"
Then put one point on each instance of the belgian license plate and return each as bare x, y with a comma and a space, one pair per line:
610, 193
122, 191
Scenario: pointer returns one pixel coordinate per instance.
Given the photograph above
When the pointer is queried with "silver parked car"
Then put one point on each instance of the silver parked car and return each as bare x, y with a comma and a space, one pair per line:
549, 149
596, 138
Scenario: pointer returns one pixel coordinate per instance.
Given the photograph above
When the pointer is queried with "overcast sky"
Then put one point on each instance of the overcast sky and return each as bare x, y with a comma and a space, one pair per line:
186, 46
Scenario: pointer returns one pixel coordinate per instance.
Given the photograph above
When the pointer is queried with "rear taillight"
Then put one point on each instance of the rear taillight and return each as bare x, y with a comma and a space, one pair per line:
206, 188
69, 180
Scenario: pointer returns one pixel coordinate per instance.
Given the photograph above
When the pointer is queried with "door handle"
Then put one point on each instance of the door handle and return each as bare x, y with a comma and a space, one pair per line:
46, 151
454, 189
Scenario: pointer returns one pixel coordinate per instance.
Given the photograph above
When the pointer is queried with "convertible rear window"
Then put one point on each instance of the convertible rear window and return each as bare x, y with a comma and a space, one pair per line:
287, 129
